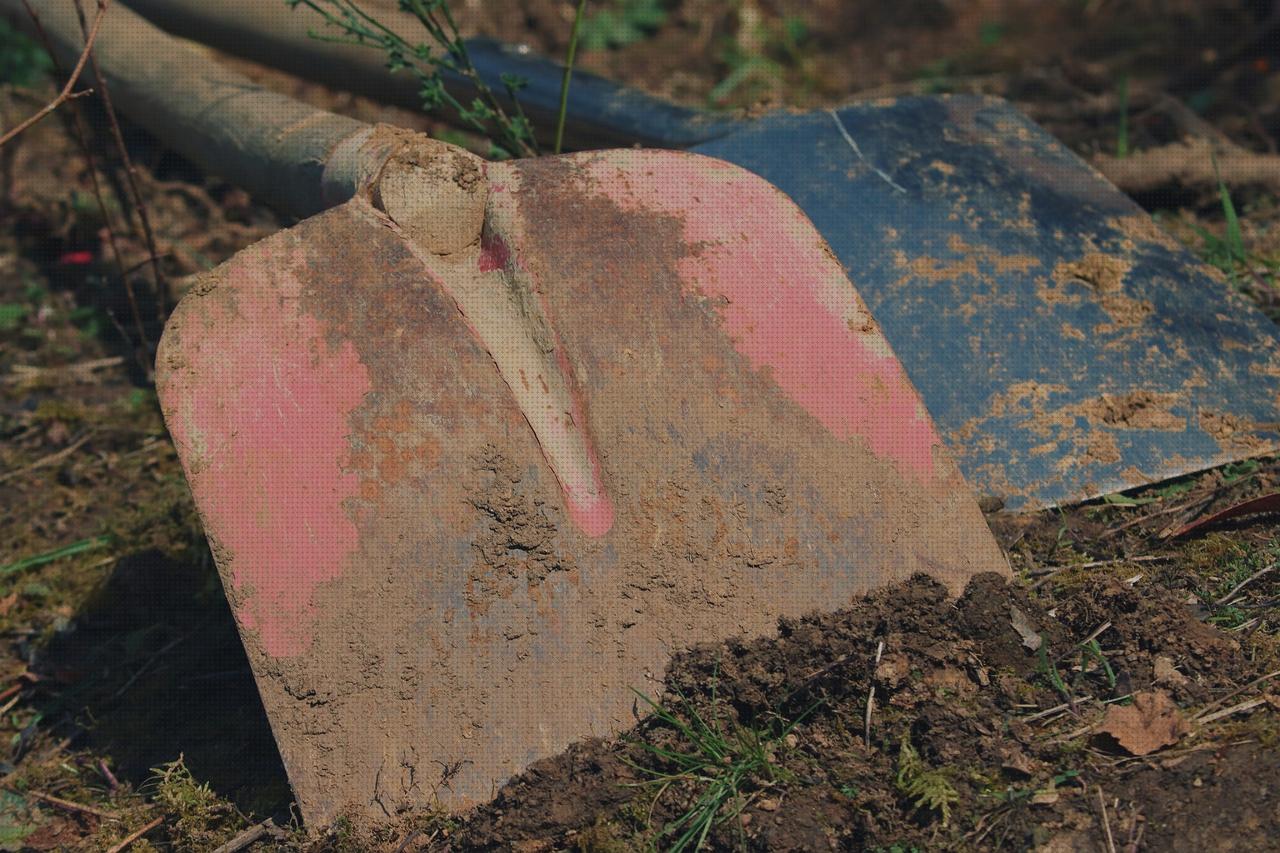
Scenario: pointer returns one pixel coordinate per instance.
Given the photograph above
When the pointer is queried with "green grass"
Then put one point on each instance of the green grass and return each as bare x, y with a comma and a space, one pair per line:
1248, 272
1234, 565
726, 765
56, 554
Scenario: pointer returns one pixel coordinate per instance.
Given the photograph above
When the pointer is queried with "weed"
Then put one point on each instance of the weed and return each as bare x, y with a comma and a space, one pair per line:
511, 133
1227, 565
1092, 651
198, 819
781, 46
727, 768
1248, 273
621, 23
926, 788
992, 33
1050, 672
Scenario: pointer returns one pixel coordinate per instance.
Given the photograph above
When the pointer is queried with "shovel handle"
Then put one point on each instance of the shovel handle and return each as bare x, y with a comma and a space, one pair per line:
290, 155
601, 113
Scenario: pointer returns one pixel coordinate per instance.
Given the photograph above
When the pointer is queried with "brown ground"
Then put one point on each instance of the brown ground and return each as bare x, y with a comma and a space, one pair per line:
121, 659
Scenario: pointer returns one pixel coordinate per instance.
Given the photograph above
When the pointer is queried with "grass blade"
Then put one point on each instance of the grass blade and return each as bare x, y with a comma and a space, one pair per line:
57, 554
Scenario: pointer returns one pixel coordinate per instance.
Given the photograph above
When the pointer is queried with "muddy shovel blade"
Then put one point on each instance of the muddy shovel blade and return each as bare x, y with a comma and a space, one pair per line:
463, 505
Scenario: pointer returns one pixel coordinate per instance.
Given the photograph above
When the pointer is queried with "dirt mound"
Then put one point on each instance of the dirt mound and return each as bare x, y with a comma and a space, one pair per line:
987, 730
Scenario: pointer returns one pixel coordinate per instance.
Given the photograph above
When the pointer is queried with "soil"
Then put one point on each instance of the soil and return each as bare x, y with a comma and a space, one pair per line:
122, 658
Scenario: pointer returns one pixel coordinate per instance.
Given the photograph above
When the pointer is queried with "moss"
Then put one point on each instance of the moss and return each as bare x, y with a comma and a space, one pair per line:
197, 818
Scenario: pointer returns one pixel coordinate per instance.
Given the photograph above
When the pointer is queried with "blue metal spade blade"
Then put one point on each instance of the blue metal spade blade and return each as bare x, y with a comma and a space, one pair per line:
1065, 345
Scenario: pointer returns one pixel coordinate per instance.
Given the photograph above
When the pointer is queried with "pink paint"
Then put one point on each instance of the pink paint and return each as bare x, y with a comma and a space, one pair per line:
588, 502
494, 252
267, 445
786, 303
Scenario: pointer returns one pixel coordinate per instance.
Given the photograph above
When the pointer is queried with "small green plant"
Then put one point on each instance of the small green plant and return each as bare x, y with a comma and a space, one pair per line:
728, 767
928, 789
1090, 652
753, 70
198, 819
1236, 565
1247, 272
622, 22
22, 61
445, 50
570, 55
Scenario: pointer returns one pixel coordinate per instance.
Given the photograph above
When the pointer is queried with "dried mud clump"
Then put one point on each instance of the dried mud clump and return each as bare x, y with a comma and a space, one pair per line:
1104, 275
1137, 410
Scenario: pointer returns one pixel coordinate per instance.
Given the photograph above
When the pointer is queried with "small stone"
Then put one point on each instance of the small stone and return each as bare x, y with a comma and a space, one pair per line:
1166, 673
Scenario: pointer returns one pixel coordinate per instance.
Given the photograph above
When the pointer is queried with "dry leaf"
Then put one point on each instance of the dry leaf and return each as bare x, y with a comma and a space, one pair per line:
1152, 722
1030, 636
6, 603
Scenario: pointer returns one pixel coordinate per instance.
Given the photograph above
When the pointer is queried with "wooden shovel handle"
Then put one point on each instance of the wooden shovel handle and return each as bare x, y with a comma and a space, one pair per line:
290, 155
601, 114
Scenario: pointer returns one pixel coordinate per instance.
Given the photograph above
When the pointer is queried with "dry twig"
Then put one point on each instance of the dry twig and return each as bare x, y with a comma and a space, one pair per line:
871, 696
249, 836
135, 835
1190, 164
51, 459
66, 805
1106, 823
1226, 599
139, 204
65, 94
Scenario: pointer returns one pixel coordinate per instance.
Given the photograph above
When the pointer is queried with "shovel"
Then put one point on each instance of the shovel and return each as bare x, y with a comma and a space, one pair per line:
481, 445
1065, 345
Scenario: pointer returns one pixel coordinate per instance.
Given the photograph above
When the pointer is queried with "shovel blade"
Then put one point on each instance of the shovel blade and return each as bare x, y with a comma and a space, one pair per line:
427, 603
1066, 346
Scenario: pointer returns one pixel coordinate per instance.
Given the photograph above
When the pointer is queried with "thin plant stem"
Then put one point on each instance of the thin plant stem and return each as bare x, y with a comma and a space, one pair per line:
66, 94
568, 73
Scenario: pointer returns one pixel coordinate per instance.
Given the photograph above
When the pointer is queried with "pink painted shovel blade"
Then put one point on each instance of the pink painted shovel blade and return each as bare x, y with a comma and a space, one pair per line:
455, 544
